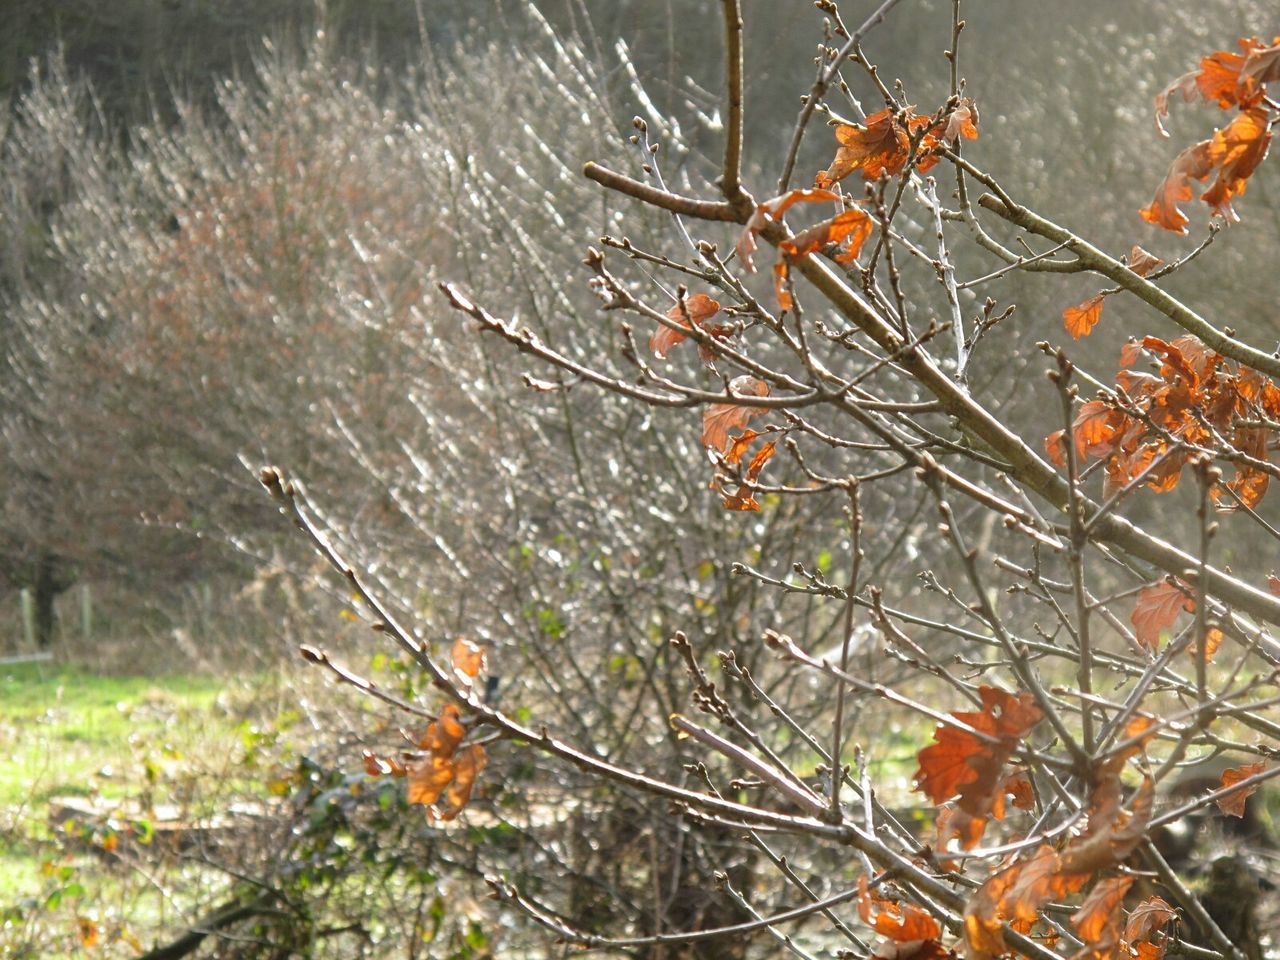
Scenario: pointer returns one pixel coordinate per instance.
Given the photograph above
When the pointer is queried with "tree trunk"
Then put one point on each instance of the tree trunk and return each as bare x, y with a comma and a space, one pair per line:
45, 590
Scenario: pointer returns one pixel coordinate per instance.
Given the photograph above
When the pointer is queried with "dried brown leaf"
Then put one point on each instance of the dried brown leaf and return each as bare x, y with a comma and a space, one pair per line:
721, 420
1141, 262
772, 211
1191, 164
901, 923
1157, 608
698, 309
961, 764
1097, 920
468, 659
1233, 803
1081, 319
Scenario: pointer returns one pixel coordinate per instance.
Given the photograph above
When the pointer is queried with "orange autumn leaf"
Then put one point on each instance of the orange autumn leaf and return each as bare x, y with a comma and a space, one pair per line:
1212, 641
376, 766
1225, 78
851, 228
772, 211
1191, 164
780, 291
1157, 608
1219, 78
1016, 893
468, 659
1112, 832
1273, 584
1198, 397
1261, 66
443, 734
743, 498
1097, 921
1233, 803
875, 147
960, 763
467, 766
1019, 789
87, 933
882, 145
1095, 428
1007, 895
444, 778
1141, 730
1235, 152
1054, 446
1080, 320
1145, 920
720, 420
901, 923
1249, 483
1141, 262
697, 309
428, 779
962, 122
739, 446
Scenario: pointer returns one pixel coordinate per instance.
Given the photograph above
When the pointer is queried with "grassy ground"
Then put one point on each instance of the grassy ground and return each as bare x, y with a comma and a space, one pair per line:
64, 731
151, 740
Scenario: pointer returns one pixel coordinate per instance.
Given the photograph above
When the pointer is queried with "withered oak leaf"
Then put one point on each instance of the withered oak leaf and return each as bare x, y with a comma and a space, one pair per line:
1189, 165
961, 764
1017, 892
781, 270
851, 228
698, 308
1150, 429
1141, 262
468, 659
1235, 152
901, 923
1098, 919
1112, 832
1146, 920
443, 779
881, 145
771, 211
721, 420
743, 499
1233, 803
1225, 78
1212, 641
1156, 610
962, 122
1082, 318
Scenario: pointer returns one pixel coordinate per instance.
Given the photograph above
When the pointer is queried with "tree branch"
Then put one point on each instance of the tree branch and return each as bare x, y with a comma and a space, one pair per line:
687, 206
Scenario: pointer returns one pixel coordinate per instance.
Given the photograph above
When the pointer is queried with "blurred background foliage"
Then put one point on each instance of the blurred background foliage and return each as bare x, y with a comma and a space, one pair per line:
222, 227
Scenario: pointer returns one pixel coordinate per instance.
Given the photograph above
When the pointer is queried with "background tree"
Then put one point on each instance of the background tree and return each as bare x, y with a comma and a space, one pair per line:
898, 379
254, 283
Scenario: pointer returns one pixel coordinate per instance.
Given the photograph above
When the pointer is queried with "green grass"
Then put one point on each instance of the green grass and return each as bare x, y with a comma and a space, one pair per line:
195, 740
65, 731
